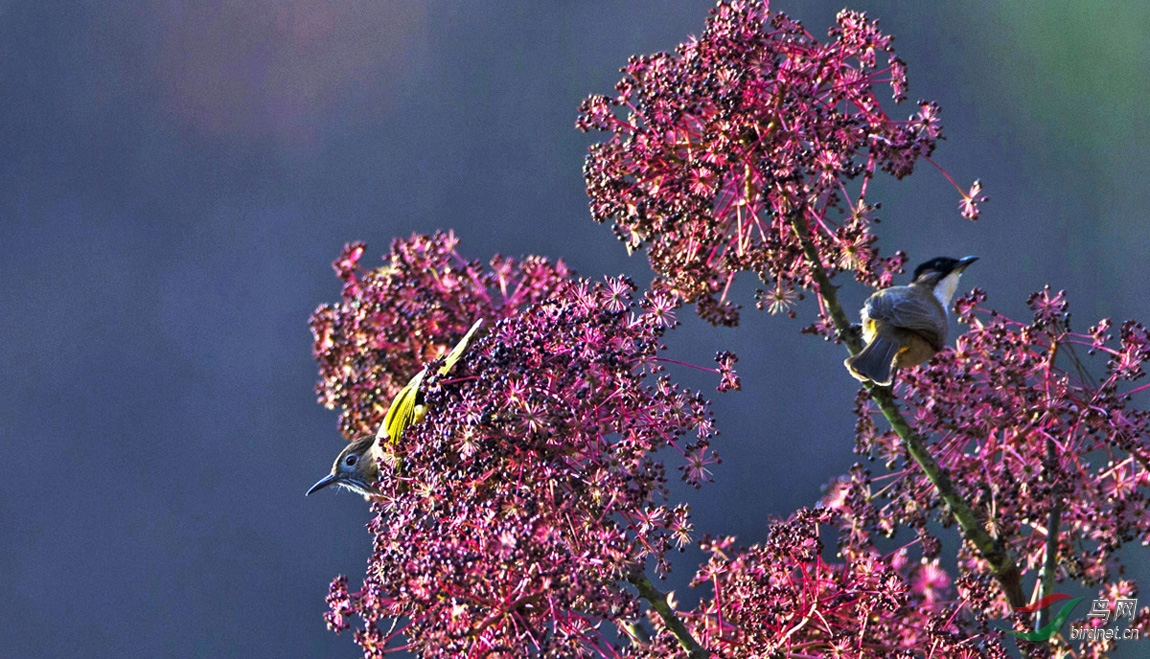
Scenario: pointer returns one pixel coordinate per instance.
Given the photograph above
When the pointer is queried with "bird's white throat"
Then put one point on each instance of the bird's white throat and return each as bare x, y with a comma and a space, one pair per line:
945, 288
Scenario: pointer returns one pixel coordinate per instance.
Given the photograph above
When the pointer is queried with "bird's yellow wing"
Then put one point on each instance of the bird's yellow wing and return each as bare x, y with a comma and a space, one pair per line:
405, 409
402, 411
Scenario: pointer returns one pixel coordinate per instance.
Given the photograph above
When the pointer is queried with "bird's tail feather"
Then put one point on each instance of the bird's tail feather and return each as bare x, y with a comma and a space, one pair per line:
457, 351
874, 362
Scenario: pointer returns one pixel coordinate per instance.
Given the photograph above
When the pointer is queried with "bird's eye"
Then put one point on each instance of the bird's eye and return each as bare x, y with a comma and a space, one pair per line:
351, 460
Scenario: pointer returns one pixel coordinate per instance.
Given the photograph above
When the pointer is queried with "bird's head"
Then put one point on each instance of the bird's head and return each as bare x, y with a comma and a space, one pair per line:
941, 275
355, 468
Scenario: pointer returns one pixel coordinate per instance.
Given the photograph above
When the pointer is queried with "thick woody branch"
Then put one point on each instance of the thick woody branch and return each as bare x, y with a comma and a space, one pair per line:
994, 551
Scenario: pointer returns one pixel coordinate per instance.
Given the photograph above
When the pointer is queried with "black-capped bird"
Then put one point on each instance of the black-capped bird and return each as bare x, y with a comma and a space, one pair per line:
906, 325
357, 466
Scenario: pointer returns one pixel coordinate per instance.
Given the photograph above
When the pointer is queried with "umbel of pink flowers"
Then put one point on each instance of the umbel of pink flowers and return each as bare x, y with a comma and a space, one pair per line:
518, 510
522, 516
715, 147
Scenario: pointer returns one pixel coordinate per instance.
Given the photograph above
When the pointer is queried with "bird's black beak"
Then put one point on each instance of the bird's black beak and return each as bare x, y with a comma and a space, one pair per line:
323, 482
965, 261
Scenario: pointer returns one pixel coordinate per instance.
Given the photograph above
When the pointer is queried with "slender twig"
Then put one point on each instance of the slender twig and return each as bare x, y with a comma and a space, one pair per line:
637, 632
658, 601
993, 550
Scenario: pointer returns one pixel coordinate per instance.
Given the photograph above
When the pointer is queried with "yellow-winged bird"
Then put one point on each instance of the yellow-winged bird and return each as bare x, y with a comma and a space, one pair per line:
357, 465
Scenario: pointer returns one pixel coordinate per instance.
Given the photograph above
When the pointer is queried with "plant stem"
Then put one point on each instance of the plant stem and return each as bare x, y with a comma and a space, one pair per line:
994, 551
1053, 522
658, 601
638, 634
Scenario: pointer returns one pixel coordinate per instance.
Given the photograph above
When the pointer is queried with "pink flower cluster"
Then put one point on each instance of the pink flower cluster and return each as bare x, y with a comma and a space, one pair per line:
714, 148
517, 510
782, 598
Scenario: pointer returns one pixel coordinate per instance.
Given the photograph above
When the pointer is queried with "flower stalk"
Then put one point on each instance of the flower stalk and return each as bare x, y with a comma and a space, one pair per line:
1053, 522
658, 601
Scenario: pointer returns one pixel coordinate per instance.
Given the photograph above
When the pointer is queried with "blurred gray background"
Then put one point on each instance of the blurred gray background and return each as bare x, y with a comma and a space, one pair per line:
175, 179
